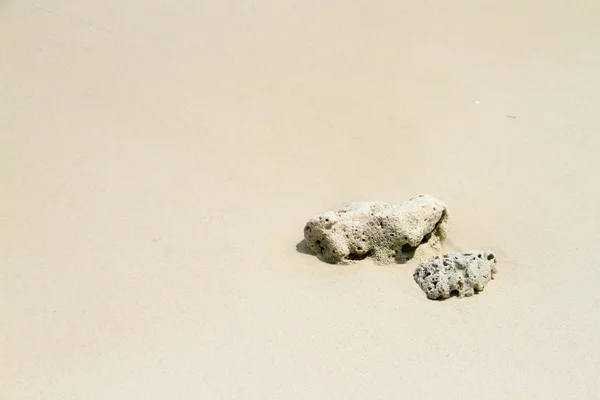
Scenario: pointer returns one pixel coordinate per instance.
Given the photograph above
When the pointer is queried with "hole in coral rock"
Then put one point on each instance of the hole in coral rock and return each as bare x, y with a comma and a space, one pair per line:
406, 253
454, 293
358, 257
490, 257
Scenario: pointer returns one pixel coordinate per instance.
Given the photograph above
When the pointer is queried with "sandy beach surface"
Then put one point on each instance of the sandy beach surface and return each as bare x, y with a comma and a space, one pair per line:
158, 161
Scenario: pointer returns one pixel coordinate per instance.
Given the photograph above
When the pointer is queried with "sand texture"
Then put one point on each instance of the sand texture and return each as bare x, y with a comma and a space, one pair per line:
159, 160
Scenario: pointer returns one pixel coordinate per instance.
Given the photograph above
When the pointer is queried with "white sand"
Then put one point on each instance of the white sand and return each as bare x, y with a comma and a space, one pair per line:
158, 162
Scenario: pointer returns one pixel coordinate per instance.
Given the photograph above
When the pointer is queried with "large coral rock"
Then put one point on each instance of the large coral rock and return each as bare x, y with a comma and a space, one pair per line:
461, 273
386, 232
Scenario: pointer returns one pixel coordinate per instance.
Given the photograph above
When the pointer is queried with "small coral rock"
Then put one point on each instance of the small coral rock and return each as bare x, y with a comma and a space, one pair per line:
385, 232
462, 273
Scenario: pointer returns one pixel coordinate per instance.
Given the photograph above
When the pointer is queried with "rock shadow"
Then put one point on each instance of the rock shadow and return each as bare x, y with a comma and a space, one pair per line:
301, 247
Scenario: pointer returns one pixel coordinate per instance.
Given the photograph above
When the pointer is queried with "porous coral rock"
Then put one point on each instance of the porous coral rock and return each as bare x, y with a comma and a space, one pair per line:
462, 273
385, 232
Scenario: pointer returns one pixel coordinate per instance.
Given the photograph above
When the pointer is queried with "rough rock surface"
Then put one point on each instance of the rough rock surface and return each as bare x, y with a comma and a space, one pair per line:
386, 232
462, 273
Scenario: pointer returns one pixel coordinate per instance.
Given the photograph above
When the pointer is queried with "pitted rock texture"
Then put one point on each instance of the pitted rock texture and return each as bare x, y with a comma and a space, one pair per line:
463, 274
385, 232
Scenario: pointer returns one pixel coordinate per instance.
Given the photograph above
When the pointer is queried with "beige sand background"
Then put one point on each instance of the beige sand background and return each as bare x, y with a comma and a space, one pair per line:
158, 161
